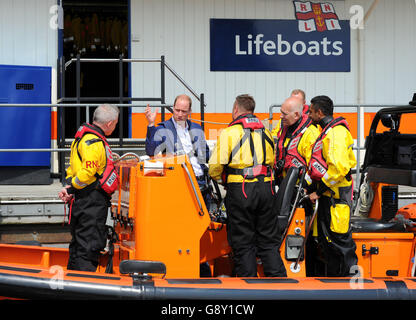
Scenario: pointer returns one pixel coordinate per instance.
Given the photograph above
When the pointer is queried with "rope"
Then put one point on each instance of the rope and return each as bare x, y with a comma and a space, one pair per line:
366, 198
205, 121
70, 211
219, 123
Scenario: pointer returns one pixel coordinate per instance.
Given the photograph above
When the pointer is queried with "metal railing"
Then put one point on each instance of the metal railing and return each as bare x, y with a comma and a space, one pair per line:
76, 102
122, 60
62, 141
122, 100
75, 105
358, 147
63, 65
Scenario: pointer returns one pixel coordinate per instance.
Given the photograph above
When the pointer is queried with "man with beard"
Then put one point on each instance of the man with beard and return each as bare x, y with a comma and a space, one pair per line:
330, 170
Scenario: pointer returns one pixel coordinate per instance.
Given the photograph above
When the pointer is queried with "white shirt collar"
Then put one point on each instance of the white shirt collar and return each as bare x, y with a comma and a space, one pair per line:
178, 126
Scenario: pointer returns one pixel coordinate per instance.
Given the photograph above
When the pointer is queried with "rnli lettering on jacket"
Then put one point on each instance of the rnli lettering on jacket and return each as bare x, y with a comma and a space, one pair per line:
317, 165
108, 180
290, 157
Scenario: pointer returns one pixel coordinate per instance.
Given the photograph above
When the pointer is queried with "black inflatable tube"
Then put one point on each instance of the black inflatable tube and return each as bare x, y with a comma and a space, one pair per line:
29, 287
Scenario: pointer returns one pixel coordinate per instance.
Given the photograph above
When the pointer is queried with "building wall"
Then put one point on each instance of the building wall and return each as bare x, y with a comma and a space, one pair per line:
382, 54
26, 37
179, 29
29, 36
389, 53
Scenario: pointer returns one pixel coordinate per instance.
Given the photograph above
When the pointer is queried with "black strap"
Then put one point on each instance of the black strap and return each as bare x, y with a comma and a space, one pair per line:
253, 151
92, 141
76, 147
269, 141
247, 135
331, 124
112, 236
248, 172
239, 145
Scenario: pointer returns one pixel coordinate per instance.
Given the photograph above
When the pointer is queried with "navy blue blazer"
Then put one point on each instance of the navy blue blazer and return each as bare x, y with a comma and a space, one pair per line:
164, 138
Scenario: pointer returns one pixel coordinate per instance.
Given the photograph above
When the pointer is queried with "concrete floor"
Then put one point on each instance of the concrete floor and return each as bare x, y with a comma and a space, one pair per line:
9, 192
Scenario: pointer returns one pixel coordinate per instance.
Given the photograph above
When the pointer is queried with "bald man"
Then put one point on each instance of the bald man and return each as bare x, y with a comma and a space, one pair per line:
298, 93
294, 138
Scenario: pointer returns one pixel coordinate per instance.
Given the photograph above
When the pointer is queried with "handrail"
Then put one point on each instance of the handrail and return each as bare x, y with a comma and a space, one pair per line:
335, 106
63, 149
184, 83
175, 74
359, 145
68, 63
75, 105
121, 98
201, 210
129, 60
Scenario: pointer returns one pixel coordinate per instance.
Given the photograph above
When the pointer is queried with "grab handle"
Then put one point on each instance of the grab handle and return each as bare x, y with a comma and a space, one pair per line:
201, 211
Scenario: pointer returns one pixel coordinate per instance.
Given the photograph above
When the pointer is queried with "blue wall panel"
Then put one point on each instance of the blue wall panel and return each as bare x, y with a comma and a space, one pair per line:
25, 127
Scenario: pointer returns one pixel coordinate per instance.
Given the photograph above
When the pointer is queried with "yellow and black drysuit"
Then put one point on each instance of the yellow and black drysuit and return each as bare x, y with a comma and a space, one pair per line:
330, 168
90, 158
243, 159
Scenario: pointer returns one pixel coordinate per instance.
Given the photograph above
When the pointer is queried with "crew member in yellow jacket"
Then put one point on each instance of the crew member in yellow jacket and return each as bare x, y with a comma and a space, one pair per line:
243, 160
294, 138
330, 170
90, 163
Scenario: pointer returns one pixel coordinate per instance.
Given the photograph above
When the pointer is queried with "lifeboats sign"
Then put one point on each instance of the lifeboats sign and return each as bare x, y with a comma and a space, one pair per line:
316, 41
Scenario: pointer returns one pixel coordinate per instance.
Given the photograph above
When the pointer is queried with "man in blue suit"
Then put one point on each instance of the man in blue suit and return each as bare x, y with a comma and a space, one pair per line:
180, 135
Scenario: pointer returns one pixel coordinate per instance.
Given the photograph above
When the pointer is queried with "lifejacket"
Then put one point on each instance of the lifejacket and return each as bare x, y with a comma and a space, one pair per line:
250, 123
289, 157
108, 180
317, 165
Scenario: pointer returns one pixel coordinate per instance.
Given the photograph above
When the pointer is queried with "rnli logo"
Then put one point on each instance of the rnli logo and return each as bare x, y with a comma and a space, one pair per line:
251, 120
316, 16
296, 163
319, 168
91, 164
111, 180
